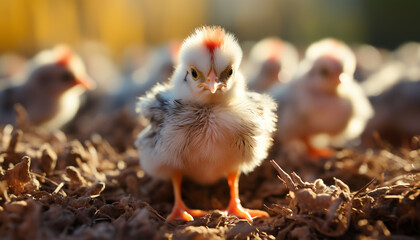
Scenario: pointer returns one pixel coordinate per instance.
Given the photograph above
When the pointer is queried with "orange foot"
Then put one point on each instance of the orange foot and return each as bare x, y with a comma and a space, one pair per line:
235, 208
180, 211
244, 213
316, 153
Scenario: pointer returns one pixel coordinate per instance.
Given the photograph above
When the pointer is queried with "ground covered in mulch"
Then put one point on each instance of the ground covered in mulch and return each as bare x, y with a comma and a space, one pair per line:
54, 186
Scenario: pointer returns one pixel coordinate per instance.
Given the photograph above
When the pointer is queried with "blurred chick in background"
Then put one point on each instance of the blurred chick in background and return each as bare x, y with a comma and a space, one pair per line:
51, 94
322, 101
271, 62
203, 124
397, 114
101, 66
403, 63
112, 113
369, 59
394, 92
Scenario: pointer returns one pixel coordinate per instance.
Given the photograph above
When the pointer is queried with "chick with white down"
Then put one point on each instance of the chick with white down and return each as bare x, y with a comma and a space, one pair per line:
51, 94
323, 100
203, 124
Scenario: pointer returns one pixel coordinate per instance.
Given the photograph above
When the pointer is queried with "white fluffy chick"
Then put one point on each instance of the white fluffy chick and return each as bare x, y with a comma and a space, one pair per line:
51, 94
393, 92
322, 100
272, 62
404, 65
203, 124
397, 113
369, 60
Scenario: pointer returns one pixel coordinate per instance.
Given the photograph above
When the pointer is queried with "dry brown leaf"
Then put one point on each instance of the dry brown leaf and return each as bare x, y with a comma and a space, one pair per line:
47, 159
75, 175
18, 176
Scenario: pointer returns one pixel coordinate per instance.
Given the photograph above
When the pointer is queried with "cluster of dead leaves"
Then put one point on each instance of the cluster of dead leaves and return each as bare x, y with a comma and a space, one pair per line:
387, 205
52, 187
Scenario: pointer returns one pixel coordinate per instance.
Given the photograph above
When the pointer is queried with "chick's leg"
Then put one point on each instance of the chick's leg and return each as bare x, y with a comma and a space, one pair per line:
180, 210
316, 153
235, 208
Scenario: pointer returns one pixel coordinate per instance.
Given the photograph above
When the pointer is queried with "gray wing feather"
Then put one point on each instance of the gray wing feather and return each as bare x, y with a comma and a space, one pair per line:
153, 106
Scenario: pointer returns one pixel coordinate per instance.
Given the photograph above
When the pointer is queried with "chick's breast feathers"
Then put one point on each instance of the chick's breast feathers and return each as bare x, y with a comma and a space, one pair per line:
204, 141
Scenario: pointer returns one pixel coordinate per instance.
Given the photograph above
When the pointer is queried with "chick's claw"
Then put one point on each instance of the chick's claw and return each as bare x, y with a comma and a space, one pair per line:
180, 214
239, 211
257, 213
317, 153
184, 213
244, 213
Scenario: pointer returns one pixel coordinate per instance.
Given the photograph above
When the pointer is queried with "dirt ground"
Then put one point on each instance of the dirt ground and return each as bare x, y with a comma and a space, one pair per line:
54, 186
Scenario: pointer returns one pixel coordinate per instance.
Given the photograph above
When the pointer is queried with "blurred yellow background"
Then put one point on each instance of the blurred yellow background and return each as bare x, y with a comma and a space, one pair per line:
28, 26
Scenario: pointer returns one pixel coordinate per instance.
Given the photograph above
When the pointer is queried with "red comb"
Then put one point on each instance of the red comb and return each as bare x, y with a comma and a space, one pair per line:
64, 55
174, 48
277, 50
213, 38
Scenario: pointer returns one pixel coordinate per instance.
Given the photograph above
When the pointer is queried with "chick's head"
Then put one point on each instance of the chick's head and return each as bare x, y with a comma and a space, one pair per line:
278, 59
332, 62
59, 70
207, 70
325, 74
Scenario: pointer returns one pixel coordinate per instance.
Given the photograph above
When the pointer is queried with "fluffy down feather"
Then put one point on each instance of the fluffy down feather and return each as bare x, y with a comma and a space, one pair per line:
205, 141
323, 99
205, 135
203, 124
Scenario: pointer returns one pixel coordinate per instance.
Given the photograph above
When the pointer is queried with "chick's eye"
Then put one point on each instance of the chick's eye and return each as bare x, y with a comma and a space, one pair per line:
194, 73
324, 72
226, 74
230, 72
67, 77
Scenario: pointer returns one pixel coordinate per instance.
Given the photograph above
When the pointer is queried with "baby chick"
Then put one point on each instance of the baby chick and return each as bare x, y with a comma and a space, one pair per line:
323, 99
397, 114
51, 94
403, 65
393, 92
271, 62
203, 124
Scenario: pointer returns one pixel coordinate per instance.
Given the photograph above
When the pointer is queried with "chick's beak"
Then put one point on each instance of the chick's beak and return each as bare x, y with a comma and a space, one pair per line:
344, 77
337, 79
212, 81
338, 75
86, 82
